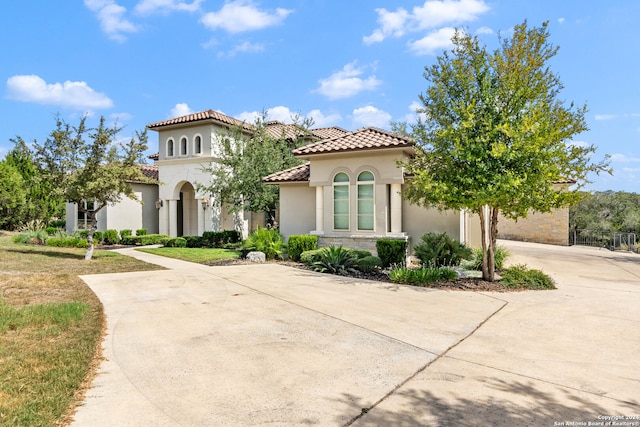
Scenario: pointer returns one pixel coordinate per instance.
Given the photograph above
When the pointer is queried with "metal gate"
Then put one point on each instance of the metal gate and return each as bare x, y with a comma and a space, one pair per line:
603, 239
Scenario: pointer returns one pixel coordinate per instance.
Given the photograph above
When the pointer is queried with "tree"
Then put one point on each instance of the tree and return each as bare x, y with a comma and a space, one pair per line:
12, 194
495, 136
41, 201
246, 155
606, 211
91, 173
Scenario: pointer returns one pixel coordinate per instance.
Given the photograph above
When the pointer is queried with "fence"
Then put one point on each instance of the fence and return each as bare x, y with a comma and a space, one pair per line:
603, 239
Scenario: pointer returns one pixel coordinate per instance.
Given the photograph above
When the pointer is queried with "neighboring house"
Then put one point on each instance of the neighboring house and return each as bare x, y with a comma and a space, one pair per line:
127, 214
347, 192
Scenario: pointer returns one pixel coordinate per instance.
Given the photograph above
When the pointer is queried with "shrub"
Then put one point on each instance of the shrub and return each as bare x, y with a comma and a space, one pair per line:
369, 264
34, 237
125, 233
298, 244
439, 250
421, 276
217, 239
269, 241
231, 237
335, 260
110, 237
309, 257
98, 236
359, 253
58, 223
500, 255
176, 242
82, 233
147, 239
391, 251
194, 241
141, 232
51, 230
67, 242
519, 276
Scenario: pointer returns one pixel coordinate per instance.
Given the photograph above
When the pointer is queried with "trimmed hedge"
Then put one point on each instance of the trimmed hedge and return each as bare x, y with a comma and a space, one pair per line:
391, 251
217, 239
125, 233
67, 242
110, 237
369, 264
148, 239
194, 241
177, 242
141, 232
309, 257
297, 244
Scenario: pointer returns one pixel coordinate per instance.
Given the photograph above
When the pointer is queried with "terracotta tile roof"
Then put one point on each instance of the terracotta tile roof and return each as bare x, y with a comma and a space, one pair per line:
298, 173
566, 181
150, 171
154, 156
363, 139
201, 116
277, 130
327, 133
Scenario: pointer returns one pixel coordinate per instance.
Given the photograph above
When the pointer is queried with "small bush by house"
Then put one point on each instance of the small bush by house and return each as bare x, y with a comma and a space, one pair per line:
297, 244
391, 251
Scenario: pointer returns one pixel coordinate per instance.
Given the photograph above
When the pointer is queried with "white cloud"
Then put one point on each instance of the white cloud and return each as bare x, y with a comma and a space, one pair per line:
77, 95
110, 14
433, 14
346, 83
180, 109
320, 120
412, 117
605, 116
146, 7
242, 15
435, 41
623, 158
581, 144
246, 47
560, 20
484, 30
371, 116
120, 117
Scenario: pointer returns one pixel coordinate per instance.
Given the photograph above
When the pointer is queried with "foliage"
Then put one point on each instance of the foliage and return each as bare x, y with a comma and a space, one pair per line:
87, 167
194, 241
309, 257
266, 240
247, 154
199, 255
420, 276
12, 195
520, 276
475, 263
34, 237
98, 236
67, 242
41, 202
360, 253
607, 211
177, 242
494, 136
51, 230
335, 260
297, 244
110, 237
218, 239
141, 231
369, 264
391, 251
126, 232
438, 250
148, 239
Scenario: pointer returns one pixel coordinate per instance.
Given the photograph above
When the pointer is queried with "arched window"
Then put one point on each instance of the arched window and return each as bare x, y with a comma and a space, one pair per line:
341, 201
197, 145
183, 146
170, 148
365, 201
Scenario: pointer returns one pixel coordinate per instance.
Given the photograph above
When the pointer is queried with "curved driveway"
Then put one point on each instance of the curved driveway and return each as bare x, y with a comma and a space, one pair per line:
273, 345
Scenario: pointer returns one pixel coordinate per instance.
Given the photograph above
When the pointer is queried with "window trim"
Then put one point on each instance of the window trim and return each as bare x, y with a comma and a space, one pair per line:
360, 183
197, 150
171, 147
184, 143
335, 184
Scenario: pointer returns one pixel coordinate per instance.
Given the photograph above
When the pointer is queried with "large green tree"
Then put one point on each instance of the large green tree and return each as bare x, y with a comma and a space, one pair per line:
495, 136
88, 167
246, 154
42, 203
12, 194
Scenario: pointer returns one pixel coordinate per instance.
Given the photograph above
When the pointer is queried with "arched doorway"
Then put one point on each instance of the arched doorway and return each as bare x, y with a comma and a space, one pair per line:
187, 211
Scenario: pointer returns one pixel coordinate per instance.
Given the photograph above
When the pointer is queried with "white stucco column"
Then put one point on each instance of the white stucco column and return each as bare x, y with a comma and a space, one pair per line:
202, 214
463, 226
319, 210
163, 218
396, 208
172, 207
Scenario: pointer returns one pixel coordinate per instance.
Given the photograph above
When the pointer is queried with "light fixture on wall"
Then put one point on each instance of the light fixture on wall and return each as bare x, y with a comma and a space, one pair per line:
205, 203
159, 203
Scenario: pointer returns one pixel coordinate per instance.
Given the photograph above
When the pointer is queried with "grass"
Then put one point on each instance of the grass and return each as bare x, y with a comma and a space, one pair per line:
51, 326
199, 255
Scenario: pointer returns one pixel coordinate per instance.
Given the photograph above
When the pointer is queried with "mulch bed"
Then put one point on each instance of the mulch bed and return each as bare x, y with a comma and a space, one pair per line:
463, 284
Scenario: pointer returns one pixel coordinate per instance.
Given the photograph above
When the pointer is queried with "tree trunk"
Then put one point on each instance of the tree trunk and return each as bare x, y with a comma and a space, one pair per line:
489, 231
91, 216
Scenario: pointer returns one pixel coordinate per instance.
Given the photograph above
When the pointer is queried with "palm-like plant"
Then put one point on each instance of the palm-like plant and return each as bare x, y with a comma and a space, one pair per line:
335, 260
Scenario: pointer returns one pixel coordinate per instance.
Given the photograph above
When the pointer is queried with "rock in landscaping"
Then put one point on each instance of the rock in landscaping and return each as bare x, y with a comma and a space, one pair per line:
256, 256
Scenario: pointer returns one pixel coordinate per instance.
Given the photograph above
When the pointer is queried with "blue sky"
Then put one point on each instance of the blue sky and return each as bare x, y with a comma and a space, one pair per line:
349, 63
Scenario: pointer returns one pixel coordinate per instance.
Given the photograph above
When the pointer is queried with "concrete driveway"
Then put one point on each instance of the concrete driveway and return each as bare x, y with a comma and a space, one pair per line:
273, 345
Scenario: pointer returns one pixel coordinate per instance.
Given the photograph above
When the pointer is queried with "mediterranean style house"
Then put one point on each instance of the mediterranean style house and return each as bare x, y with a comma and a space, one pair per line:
347, 191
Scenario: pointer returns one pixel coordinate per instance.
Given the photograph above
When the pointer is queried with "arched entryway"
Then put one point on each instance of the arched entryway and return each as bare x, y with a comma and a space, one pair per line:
187, 211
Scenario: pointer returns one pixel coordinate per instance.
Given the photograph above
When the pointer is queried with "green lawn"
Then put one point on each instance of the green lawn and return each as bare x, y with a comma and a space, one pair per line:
199, 255
50, 329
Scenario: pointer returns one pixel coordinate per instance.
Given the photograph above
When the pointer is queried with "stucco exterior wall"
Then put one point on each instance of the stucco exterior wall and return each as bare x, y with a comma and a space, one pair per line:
297, 209
418, 220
